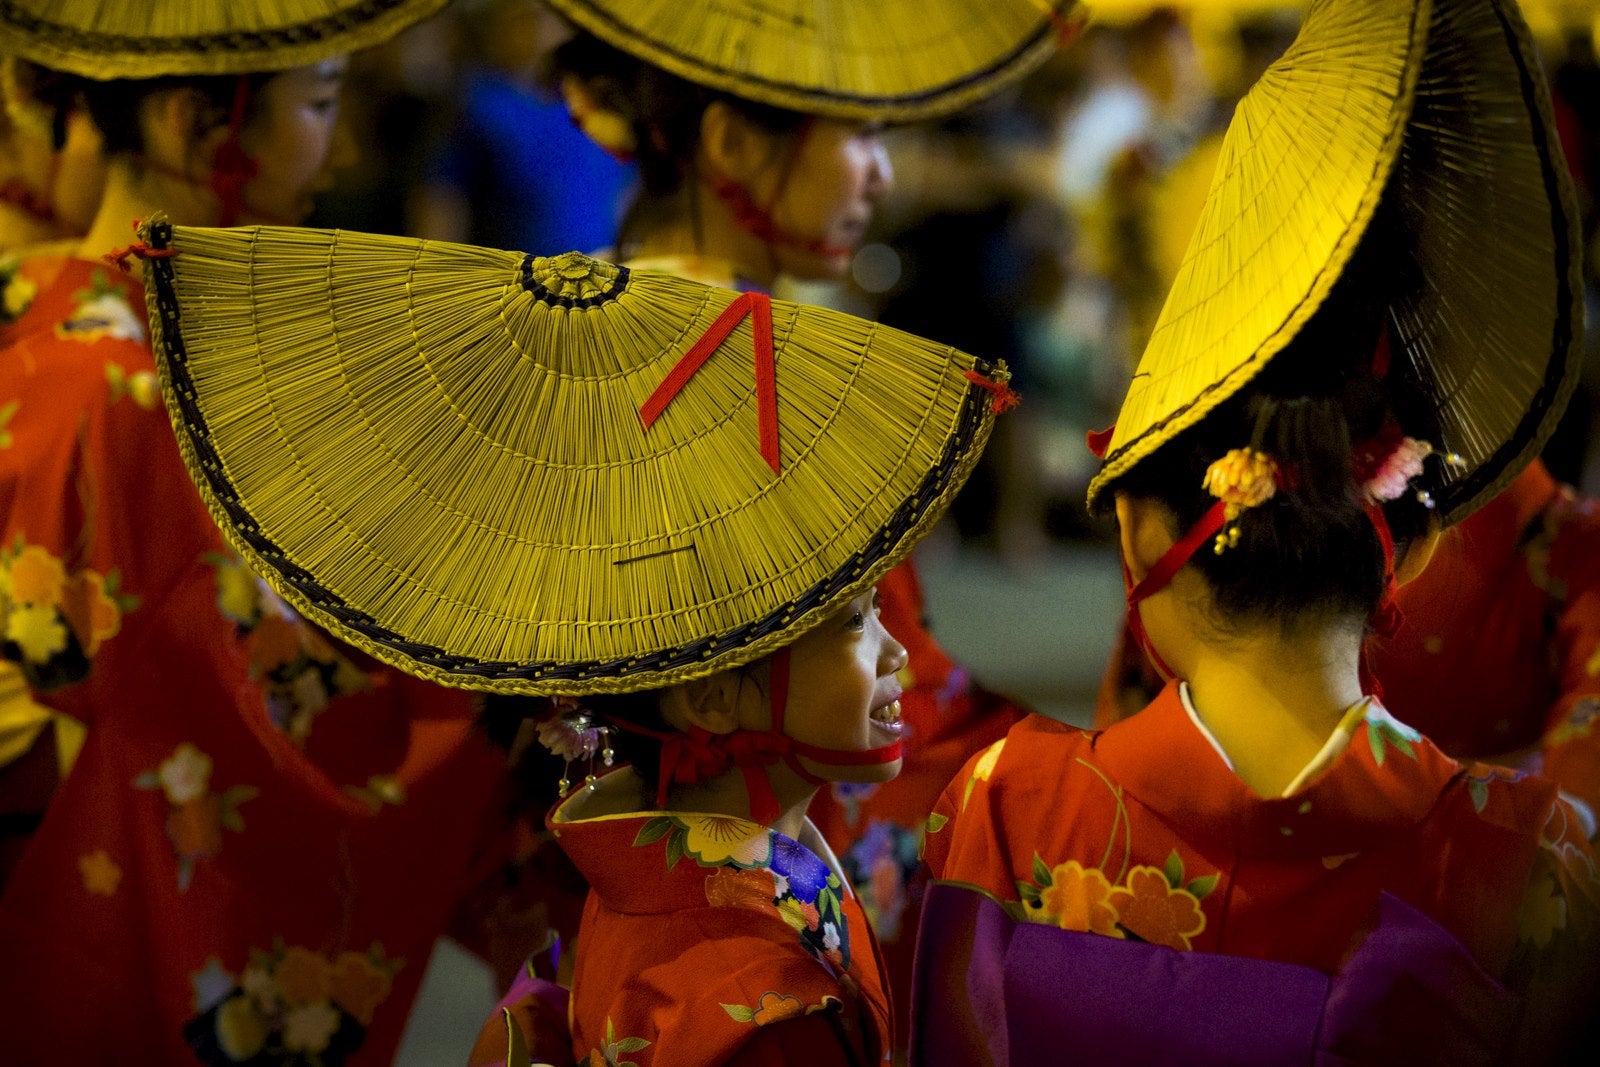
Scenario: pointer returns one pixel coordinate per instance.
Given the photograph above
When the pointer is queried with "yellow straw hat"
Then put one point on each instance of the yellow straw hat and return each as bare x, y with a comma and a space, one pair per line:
881, 60
107, 39
1440, 106
496, 470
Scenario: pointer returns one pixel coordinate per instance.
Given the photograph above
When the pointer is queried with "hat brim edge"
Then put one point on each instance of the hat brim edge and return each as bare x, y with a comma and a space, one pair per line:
105, 57
710, 655
1561, 379
936, 102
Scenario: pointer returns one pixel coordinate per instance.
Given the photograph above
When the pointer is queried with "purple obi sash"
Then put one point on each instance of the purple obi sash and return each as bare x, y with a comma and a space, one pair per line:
991, 990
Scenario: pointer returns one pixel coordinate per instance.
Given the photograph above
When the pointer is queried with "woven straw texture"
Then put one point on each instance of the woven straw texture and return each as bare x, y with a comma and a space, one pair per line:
847, 59
436, 451
1447, 98
150, 38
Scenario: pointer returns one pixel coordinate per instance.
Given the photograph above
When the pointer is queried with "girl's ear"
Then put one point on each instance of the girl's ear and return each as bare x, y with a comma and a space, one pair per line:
709, 703
178, 131
732, 146
1145, 532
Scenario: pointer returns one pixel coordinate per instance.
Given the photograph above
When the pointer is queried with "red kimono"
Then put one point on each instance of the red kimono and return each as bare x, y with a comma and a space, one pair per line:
1144, 837
1506, 622
1498, 653
708, 940
263, 833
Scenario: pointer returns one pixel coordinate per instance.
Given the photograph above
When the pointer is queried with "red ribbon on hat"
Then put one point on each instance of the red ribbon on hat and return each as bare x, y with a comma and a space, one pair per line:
759, 307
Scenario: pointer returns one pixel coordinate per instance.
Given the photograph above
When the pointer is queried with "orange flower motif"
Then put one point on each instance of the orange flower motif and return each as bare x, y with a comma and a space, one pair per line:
302, 976
94, 617
1078, 899
730, 888
100, 872
1155, 912
37, 577
775, 1008
358, 986
195, 826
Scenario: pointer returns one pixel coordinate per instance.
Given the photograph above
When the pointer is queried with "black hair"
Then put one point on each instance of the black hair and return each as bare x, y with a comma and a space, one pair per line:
664, 113
1311, 552
114, 106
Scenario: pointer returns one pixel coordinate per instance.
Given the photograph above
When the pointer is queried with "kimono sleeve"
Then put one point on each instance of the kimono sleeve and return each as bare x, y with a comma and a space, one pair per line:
945, 823
809, 1041
1556, 964
1572, 733
98, 520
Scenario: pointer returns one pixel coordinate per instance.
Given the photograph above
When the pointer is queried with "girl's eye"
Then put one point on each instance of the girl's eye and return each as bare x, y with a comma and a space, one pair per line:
858, 621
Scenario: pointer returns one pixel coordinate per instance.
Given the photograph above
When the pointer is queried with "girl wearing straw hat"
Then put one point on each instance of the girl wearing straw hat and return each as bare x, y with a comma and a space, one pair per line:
563, 479
225, 800
1264, 866
756, 132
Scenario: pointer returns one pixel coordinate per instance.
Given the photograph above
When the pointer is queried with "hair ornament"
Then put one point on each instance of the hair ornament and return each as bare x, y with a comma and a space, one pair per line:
1243, 478
572, 732
607, 128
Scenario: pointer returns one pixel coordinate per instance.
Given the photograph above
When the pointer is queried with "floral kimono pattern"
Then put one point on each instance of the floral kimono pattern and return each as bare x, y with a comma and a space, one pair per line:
265, 806
1151, 839
707, 936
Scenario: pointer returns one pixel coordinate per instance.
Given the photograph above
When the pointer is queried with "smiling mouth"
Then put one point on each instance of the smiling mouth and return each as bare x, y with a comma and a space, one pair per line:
888, 715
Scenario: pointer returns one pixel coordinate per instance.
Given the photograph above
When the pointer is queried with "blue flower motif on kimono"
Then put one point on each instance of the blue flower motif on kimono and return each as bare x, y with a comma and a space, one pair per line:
804, 872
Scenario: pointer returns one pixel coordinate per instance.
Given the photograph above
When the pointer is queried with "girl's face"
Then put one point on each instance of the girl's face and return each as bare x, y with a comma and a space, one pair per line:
296, 138
823, 186
843, 691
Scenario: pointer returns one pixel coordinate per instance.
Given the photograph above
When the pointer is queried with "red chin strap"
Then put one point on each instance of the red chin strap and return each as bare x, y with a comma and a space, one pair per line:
1158, 577
697, 755
232, 167
757, 220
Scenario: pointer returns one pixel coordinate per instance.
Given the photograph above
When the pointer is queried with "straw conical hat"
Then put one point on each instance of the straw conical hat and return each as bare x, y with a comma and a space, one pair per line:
152, 38
437, 452
1446, 100
848, 59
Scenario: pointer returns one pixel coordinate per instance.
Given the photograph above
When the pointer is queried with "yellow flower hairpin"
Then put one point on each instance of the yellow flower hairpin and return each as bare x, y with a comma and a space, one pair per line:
1243, 478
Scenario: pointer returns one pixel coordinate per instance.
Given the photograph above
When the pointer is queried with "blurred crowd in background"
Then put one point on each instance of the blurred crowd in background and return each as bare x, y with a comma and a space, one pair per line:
1044, 227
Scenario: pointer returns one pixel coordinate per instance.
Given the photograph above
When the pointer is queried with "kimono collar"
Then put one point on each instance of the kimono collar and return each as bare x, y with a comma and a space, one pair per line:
1379, 779
656, 862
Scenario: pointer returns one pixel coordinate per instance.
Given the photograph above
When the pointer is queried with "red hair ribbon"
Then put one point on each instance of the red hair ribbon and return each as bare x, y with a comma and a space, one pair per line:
1381, 355
759, 307
1005, 397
